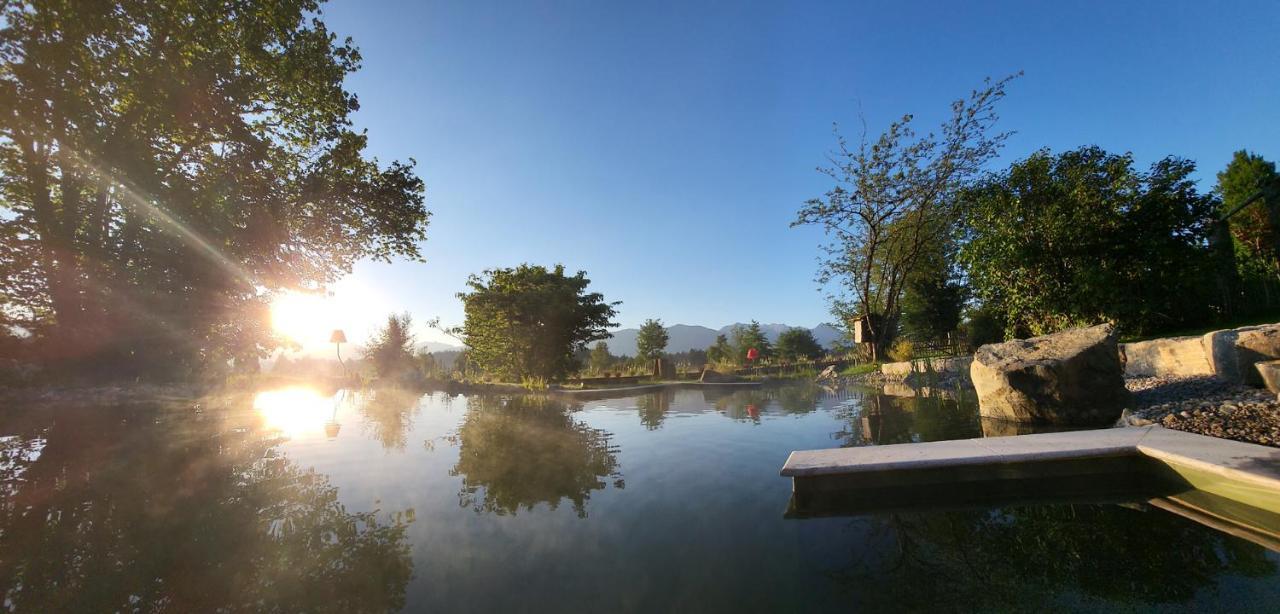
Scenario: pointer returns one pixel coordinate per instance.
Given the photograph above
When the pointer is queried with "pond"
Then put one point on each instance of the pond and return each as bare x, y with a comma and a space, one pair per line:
296, 499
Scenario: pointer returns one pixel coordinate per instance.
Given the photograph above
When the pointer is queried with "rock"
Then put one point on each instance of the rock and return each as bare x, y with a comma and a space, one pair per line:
1232, 353
1072, 378
1270, 372
1170, 357
715, 377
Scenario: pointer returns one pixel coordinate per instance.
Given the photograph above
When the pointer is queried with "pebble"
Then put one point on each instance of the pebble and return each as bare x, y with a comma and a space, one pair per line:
1206, 405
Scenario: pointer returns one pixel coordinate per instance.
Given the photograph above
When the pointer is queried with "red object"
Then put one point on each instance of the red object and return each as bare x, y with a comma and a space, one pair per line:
753, 354
753, 411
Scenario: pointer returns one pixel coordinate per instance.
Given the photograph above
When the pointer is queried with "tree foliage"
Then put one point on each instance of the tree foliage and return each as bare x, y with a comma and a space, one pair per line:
721, 351
748, 337
529, 321
796, 344
651, 341
935, 294
1083, 237
892, 200
1253, 228
163, 167
601, 359
390, 350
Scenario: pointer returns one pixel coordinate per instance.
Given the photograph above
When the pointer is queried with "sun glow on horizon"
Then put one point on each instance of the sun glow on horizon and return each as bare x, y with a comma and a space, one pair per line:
303, 318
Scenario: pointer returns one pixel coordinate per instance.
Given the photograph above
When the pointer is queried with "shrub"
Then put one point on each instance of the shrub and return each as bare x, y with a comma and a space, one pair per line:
902, 349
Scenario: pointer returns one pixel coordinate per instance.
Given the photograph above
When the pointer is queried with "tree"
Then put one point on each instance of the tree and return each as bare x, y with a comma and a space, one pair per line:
720, 351
934, 297
796, 344
651, 340
390, 350
1083, 237
892, 200
163, 164
428, 365
528, 321
600, 357
750, 337
1253, 228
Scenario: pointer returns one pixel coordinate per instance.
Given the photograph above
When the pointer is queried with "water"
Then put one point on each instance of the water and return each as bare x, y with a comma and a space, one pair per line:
297, 500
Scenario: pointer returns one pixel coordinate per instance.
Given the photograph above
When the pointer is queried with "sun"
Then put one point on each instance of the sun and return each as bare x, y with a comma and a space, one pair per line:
303, 318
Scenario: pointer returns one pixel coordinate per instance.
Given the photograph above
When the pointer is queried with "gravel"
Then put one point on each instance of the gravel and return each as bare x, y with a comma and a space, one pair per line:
1206, 405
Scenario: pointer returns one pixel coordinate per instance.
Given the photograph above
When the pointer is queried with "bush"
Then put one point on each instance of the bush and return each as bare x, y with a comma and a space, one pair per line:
902, 350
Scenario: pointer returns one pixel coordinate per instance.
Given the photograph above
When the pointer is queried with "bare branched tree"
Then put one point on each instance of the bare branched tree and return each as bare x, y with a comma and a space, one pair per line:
892, 198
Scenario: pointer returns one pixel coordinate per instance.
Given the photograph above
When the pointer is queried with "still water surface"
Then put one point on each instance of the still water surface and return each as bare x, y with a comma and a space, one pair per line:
295, 500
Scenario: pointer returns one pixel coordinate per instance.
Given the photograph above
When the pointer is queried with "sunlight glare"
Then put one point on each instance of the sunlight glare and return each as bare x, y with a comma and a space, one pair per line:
294, 411
303, 318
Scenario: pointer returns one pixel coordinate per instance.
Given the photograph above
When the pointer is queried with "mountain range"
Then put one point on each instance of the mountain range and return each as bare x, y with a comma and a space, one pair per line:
684, 337
680, 338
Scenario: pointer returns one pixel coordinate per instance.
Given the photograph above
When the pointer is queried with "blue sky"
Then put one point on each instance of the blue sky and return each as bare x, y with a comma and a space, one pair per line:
665, 147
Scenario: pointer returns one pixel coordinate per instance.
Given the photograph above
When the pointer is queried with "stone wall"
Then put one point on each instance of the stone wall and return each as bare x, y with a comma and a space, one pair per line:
955, 364
1229, 354
1170, 357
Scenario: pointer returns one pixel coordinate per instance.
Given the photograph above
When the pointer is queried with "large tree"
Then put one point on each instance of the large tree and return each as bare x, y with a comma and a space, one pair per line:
797, 343
529, 321
651, 341
1249, 188
1083, 237
892, 200
165, 166
390, 349
935, 294
750, 337
601, 359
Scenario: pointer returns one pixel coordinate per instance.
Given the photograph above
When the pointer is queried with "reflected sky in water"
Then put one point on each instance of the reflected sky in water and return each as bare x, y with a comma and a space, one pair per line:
302, 499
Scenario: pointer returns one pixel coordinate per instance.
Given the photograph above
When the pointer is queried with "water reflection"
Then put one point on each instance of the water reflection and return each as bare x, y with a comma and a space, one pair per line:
653, 407
136, 508
878, 419
299, 410
752, 404
1055, 557
388, 415
518, 452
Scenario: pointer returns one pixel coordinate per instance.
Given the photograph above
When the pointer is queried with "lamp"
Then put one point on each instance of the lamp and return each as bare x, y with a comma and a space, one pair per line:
337, 338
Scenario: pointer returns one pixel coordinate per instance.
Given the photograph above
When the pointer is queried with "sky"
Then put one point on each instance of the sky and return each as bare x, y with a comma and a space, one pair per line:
664, 148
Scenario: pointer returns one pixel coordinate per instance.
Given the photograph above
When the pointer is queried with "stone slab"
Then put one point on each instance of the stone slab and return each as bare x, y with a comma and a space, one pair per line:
1168, 357
1244, 472
909, 456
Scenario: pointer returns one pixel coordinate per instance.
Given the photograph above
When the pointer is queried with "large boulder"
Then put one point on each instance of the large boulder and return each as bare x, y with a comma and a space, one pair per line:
1074, 377
1232, 353
710, 376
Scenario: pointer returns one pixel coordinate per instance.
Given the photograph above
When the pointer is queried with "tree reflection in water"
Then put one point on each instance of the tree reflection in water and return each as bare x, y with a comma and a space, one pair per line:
124, 508
388, 415
517, 452
654, 407
798, 397
1003, 559
880, 419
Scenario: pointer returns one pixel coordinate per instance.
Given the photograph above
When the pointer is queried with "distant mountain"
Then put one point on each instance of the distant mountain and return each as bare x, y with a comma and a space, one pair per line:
683, 337
436, 346
680, 338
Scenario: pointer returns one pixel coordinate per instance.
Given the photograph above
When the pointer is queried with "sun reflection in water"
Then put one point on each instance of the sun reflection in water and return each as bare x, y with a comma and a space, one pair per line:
298, 411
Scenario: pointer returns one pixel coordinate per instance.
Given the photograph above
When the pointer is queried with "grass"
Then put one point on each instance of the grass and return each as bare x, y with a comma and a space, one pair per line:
860, 369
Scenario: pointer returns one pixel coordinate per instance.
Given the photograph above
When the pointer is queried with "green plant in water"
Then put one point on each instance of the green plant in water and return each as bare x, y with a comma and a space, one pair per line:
534, 383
